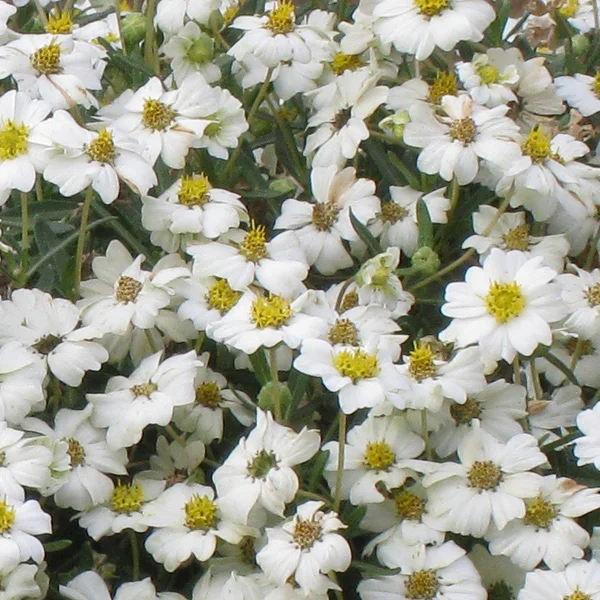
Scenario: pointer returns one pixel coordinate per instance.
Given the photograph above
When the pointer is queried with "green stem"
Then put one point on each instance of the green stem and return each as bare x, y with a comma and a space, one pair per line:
577, 353
517, 370
150, 56
275, 384
135, 555
562, 441
41, 13
39, 191
85, 215
560, 365
343, 420
120, 26
24, 237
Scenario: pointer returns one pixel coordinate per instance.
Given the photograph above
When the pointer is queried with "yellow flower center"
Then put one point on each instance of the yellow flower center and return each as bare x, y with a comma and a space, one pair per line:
430, 8
392, 212
127, 498
484, 475
230, 13
46, 60
596, 84
324, 215
356, 364
592, 295
13, 140
445, 84
504, 301
577, 595
7, 516
261, 464
421, 365
345, 62
488, 74
537, 145
157, 115
221, 297
75, 451
409, 506
200, 513
193, 191
379, 456
273, 311
254, 245
208, 394
144, 389
463, 414
306, 532
102, 149
128, 289
540, 513
569, 8
281, 18
517, 238
60, 23
2, 457
422, 585
463, 130
343, 331
349, 301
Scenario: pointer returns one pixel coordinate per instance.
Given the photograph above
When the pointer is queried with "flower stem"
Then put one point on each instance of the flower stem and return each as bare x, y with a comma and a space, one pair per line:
24, 237
275, 384
135, 555
120, 26
517, 370
340, 463
85, 215
577, 353
150, 57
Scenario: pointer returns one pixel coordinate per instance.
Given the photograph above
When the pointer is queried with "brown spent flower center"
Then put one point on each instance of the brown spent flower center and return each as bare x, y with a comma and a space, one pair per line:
586, 347
306, 532
517, 238
392, 212
209, 395
75, 451
343, 331
463, 130
484, 475
324, 215
463, 414
349, 301
144, 389
128, 289
422, 585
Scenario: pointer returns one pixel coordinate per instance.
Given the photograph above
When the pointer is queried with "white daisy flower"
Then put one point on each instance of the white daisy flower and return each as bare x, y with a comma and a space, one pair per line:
581, 92
306, 548
170, 14
454, 142
381, 449
56, 69
258, 472
548, 530
187, 521
418, 91
432, 572
22, 582
587, 447
581, 294
499, 575
487, 487
505, 306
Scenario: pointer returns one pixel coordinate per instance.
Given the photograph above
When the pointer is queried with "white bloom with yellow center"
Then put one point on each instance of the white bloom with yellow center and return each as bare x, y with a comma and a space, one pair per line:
258, 473
306, 548
581, 91
187, 520
6, 12
56, 69
581, 294
381, 449
170, 14
418, 26
506, 306
22, 154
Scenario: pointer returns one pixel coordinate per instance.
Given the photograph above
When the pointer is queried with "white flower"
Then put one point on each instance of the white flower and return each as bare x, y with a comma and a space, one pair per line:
548, 531
433, 572
306, 548
6, 12
581, 294
170, 14
57, 69
321, 227
581, 92
147, 396
488, 486
381, 449
587, 447
418, 26
48, 327
20, 583
499, 575
454, 142
258, 472
505, 306
187, 521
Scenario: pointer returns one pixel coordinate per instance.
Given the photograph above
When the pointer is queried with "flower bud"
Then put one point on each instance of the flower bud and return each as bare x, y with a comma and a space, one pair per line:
425, 260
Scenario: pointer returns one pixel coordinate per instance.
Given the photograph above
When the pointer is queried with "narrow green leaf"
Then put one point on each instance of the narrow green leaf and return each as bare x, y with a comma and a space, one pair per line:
258, 360
425, 225
373, 247
57, 545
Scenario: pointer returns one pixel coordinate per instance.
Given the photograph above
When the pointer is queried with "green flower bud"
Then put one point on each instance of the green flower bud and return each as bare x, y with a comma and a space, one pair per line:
282, 186
133, 27
581, 44
426, 261
394, 124
266, 400
202, 50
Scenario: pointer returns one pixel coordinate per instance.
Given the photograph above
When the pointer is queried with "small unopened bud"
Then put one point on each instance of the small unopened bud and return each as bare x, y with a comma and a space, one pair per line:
202, 50
425, 260
394, 124
133, 27
282, 186
266, 396
581, 44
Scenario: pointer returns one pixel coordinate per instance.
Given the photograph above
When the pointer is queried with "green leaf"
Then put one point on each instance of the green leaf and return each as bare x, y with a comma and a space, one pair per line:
373, 247
317, 472
425, 225
353, 520
57, 545
259, 362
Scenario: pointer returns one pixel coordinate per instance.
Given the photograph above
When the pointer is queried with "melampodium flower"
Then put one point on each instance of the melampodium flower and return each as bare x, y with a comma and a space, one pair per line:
505, 306
306, 548
418, 26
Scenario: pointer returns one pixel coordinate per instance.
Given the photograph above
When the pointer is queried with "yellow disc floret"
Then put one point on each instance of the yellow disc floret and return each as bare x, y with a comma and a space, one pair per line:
537, 145
569, 8
421, 364
127, 498
76, 452
505, 301
592, 295
254, 245
306, 532
464, 413
596, 84
484, 475
221, 297
445, 84
345, 62
13, 140
60, 22
379, 456
200, 513
102, 149
194, 190
540, 513
7, 516
431, 8
128, 289
157, 115
343, 331
208, 394
324, 215
273, 311
409, 506
422, 585
144, 389
463, 130
281, 18
356, 364
517, 238
488, 74
577, 595
46, 60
